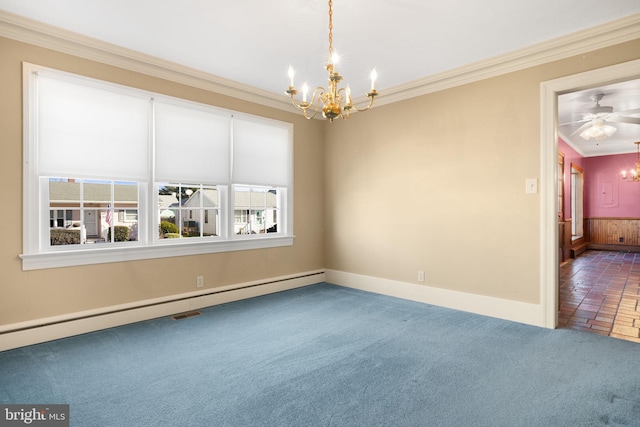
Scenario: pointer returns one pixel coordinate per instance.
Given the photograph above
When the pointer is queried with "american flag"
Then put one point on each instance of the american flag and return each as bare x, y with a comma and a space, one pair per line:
108, 216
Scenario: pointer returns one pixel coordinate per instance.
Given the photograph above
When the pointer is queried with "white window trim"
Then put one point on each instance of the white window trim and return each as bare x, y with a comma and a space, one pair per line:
118, 254
34, 225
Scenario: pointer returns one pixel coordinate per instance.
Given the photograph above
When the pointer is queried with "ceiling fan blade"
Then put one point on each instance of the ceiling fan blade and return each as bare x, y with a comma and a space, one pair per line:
572, 123
632, 120
581, 128
632, 111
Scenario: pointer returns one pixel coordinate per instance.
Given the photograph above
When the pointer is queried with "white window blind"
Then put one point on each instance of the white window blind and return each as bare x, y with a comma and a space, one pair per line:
81, 130
261, 153
88, 131
192, 145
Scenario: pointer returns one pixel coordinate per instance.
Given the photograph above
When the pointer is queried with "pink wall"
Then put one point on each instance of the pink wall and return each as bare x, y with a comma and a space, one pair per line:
606, 194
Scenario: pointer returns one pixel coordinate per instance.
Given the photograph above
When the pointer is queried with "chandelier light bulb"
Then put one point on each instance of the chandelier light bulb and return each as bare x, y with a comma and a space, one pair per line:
634, 173
374, 77
290, 74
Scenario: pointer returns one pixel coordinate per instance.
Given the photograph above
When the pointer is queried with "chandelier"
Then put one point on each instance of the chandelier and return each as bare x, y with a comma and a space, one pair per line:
634, 174
333, 101
598, 130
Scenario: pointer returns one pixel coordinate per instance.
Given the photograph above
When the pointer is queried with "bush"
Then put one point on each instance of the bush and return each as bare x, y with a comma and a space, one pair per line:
121, 234
167, 227
172, 235
62, 236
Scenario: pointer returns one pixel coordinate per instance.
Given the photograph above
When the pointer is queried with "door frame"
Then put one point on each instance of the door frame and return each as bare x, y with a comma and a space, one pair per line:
549, 91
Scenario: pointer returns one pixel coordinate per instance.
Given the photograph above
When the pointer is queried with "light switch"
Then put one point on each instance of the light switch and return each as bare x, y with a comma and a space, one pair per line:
531, 185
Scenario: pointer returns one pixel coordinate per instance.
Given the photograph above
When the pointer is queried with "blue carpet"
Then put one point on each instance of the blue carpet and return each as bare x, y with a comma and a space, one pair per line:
324, 355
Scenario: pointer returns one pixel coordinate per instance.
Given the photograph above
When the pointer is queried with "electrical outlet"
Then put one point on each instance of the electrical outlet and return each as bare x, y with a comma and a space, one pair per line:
420, 276
199, 281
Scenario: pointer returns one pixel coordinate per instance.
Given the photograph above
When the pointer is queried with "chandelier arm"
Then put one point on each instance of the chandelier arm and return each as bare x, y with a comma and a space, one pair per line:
307, 116
317, 100
304, 105
371, 96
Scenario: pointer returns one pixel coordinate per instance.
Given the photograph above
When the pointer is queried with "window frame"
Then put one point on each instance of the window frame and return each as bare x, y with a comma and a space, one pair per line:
36, 217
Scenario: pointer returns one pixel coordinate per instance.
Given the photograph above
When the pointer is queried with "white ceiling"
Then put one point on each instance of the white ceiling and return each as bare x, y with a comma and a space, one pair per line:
253, 42
621, 96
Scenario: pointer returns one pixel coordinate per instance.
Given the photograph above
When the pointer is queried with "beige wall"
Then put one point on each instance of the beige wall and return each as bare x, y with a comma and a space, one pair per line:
28, 295
437, 183
434, 183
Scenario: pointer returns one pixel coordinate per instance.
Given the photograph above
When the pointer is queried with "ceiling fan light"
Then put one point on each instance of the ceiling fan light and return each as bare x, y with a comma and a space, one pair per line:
598, 130
592, 132
609, 130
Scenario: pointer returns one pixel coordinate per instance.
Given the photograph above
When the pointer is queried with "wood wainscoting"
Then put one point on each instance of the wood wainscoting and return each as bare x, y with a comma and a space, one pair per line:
564, 240
613, 233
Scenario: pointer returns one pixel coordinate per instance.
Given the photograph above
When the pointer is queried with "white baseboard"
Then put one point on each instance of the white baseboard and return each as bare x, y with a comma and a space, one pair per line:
516, 311
52, 328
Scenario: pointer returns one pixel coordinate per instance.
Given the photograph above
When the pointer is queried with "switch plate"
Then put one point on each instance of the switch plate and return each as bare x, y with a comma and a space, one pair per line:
531, 186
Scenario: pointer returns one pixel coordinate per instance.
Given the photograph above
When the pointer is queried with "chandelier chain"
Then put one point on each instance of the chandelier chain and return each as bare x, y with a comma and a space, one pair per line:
330, 28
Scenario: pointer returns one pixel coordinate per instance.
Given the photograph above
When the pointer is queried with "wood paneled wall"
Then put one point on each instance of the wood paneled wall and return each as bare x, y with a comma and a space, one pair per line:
611, 230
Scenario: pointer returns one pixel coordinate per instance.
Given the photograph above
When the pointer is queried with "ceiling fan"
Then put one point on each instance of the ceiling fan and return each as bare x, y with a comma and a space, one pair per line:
594, 119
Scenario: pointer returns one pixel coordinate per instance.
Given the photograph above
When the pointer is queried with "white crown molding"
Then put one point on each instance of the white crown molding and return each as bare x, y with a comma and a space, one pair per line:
601, 36
29, 31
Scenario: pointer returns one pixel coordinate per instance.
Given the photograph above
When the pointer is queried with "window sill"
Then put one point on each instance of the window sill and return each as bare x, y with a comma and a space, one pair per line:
72, 258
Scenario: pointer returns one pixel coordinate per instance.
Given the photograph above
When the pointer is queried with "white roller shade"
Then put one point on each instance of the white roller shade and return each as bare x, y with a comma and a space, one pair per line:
192, 145
261, 153
87, 131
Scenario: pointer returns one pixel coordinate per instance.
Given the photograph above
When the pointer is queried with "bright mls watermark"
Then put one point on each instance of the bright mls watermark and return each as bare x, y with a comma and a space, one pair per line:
34, 415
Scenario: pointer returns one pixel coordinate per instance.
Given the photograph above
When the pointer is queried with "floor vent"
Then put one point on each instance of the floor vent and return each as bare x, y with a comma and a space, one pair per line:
185, 315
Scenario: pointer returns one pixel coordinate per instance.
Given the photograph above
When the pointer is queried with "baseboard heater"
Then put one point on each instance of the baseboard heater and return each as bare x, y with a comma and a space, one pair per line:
42, 330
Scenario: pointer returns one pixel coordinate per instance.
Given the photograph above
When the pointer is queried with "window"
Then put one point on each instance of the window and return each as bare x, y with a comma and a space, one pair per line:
146, 175
577, 180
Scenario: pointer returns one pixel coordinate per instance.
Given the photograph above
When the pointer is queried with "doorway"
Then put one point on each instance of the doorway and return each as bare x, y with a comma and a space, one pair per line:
549, 251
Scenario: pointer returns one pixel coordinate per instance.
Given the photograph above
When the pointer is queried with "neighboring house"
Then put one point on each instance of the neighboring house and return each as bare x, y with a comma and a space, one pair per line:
167, 201
255, 212
199, 213
67, 211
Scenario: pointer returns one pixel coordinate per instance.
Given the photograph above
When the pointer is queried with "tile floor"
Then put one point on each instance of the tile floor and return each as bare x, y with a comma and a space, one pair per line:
600, 293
